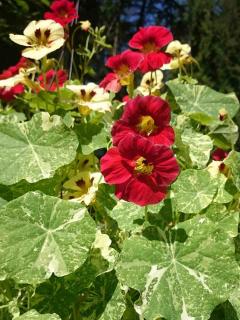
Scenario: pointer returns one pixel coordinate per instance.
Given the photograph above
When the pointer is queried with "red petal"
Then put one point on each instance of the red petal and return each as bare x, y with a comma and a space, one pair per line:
158, 35
140, 192
115, 169
153, 61
111, 82
165, 136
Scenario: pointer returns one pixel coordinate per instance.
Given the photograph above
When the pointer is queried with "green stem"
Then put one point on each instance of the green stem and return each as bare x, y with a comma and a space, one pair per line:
146, 213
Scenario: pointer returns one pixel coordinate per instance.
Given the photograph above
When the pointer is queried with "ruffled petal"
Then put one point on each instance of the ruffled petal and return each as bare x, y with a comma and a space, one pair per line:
115, 169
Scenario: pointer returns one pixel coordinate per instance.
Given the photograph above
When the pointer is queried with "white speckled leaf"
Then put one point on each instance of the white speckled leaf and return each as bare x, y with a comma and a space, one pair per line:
233, 161
194, 190
42, 235
222, 195
2, 202
34, 315
33, 150
203, 103
180, 281
235, 300
200, 146
127, 215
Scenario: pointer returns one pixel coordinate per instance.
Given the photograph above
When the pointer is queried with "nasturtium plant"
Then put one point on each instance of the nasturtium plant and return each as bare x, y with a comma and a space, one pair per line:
119, 197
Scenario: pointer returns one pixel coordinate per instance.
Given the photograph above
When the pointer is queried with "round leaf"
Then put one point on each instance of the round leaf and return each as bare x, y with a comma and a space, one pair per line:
180, 281
33, 150
42, 235
34, 315
194, 190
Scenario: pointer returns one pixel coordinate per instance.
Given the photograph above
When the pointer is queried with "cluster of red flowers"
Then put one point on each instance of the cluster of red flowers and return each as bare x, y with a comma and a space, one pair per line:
148, 42
8, 93
141, 165
63, 12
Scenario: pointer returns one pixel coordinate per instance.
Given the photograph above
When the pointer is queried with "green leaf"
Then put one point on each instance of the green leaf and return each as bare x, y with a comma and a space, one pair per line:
194, 190
103, 300
235, 300
12, 117
34, 315
222, 195
91, 137
233, 162
202, 103
33, 150
127, 215
2, 202
200, 146
180, 280
225, 136
224, 219
42, 235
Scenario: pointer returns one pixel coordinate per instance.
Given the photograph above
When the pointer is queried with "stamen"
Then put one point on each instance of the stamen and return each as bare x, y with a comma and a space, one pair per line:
143, 167
146, 125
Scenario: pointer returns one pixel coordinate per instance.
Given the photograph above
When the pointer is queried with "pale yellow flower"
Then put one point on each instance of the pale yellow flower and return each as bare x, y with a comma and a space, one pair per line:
181, 55
22, 77
151, 83
41, 37
91, 97
83, 187
85, 25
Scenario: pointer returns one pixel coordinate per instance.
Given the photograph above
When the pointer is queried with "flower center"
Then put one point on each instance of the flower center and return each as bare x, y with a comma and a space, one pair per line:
146, 125
87, 96
143, 167
41, 36
122, 70
149, 47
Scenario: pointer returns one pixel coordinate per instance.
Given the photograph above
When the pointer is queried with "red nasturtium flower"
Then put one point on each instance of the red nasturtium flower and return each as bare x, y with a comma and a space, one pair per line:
147, 116
219, 154
140, 170
62, 11
53, 79
149, 41
123, 65
111, 82
8, 93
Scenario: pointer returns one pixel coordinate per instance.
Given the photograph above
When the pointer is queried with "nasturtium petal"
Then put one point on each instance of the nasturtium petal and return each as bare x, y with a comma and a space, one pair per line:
34, 315
180, 280
194, 190
42, 235
202, 103
33, 150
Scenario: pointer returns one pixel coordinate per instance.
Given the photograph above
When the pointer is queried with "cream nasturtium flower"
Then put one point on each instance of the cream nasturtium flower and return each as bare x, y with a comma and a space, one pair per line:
181, 55
91, 97
21, 77
151, 83
41, 37
85, 25
83, 187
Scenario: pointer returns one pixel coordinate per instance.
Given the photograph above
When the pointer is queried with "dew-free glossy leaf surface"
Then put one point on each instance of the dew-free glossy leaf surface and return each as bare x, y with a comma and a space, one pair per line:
180, 280
33, 150
41, 235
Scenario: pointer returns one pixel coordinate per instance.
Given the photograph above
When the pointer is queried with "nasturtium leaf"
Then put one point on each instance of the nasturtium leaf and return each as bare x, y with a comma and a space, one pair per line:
202, 103
127, 215
200, 146
235, 300
180, 280
224, 219
91, 137
42, 235
194, 190
222, 195
33, 150
2, 202
233, 162
12, 117
34, 315
224, 135
103, 299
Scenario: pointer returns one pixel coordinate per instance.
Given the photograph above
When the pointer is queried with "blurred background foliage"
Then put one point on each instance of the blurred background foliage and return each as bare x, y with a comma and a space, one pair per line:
211, 27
